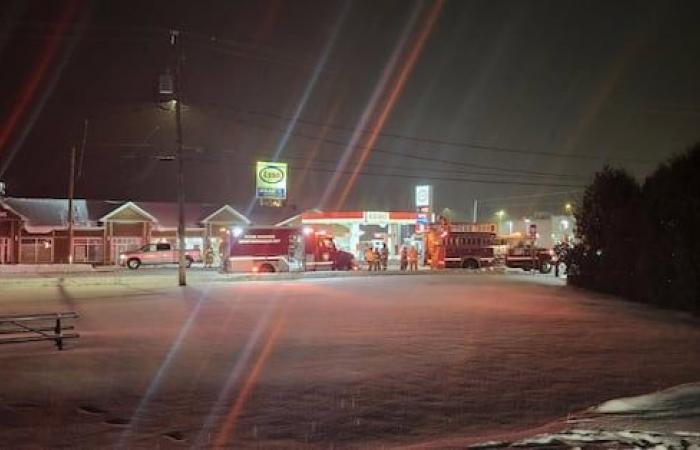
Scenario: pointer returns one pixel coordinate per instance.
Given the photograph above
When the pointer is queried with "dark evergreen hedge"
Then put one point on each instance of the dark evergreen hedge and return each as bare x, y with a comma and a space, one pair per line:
642, 242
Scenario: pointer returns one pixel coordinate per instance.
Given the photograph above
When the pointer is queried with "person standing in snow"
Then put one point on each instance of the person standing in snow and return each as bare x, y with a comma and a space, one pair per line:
413, 258
404, 258
369, 258
209, 257
384, 256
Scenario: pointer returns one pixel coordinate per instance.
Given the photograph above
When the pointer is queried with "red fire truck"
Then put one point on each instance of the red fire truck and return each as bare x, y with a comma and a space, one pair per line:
281, 249
466, 245
468, 249
527, 257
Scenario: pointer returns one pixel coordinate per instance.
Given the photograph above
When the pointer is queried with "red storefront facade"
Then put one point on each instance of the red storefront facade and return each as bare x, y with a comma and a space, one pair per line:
35, 231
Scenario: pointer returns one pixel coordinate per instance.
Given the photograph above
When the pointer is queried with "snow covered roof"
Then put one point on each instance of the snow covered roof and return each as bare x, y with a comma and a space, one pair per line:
296, 218
141, 213
166, 214
223, 210
46, 214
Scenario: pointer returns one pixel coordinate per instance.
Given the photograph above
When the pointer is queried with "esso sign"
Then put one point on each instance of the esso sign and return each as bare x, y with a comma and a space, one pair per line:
271, 175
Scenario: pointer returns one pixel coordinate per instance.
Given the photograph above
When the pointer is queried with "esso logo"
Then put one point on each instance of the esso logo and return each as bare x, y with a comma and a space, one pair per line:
271, 175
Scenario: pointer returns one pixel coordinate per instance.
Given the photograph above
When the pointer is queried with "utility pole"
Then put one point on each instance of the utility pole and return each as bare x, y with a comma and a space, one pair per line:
182, 274
71, 194
82, 148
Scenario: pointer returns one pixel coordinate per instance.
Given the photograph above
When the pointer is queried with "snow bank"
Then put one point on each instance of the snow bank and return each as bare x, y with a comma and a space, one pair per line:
633, 438
44, 268
669, 406
683, 400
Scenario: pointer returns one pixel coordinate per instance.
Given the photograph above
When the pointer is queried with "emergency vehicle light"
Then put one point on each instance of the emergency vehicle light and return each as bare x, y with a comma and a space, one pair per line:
237, 231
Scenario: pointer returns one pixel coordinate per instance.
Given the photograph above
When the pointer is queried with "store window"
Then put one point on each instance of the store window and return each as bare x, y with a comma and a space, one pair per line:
124, 244
36, 250
5, 250
88, 250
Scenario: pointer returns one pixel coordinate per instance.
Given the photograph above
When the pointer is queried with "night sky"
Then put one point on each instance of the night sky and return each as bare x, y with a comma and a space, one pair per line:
482, 99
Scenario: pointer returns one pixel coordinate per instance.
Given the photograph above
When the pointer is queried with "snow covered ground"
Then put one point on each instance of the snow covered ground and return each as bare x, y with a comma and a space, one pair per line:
662, 419
431, 361
31, 269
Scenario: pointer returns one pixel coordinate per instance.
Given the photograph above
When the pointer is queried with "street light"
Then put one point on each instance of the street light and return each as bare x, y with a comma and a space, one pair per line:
568, 207
500, 215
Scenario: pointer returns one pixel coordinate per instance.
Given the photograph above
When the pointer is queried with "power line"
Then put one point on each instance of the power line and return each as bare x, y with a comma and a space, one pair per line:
414, 169
218, 161
471, 145
340, 143
330, 161
152, 34
145, 145
546, 194
416, 157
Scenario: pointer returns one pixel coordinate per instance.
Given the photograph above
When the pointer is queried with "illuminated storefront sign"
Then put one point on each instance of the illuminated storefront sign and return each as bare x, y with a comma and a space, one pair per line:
424, 196
376, 217
271, 180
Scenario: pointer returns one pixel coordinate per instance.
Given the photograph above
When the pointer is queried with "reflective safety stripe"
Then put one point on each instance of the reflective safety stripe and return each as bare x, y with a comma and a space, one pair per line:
260, 258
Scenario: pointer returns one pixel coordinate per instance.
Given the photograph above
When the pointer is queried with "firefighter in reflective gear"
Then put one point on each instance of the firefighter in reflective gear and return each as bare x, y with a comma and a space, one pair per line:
384, 257
404, 258
413, 258
561, 251
369, 258
209, 257
437, 257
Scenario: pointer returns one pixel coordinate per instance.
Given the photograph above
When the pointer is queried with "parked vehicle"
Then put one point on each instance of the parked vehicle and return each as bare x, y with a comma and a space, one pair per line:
528, 257
469, 246
469, 250
289, 249
156, 254
322, 254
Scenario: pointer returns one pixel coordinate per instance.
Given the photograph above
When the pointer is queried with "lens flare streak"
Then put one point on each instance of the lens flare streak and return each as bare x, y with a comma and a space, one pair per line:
235, 374
43, 64
308, 90
369, 109
396, 90
228, 427
140, 412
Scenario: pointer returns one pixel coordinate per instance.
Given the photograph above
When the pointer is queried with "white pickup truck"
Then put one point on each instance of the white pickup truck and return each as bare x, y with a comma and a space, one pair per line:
155, 254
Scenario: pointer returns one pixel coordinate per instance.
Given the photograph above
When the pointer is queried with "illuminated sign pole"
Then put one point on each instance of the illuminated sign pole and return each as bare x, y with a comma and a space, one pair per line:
424, 206
271, 183
533, 235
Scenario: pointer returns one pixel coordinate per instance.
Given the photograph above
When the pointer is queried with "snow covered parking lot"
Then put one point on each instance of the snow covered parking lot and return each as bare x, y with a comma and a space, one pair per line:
357, 362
